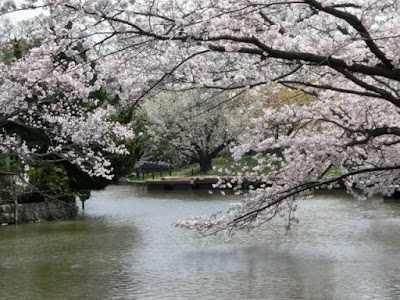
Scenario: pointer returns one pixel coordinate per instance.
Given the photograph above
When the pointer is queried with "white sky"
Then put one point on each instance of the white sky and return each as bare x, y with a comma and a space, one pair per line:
22, 15
27, 14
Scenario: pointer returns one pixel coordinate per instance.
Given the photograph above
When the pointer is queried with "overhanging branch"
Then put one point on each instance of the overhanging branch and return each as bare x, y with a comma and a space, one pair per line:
307, 186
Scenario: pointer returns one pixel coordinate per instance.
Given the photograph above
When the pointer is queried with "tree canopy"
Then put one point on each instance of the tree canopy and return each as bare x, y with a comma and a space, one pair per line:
345, 54
190, 127
34, 120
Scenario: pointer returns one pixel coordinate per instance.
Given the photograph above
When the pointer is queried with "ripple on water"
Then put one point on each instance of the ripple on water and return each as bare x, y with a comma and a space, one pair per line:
124, 247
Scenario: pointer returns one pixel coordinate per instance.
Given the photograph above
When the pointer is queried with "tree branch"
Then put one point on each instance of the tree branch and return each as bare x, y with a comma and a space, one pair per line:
358, 26
307, 186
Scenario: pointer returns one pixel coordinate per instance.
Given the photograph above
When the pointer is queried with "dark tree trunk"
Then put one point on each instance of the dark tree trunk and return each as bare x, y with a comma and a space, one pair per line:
205, 163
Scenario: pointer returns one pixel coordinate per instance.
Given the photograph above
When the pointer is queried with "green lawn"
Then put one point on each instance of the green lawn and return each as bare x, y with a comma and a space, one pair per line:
219, 164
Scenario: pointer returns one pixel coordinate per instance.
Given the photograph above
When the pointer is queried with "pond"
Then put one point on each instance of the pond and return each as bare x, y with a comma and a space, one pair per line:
124, 247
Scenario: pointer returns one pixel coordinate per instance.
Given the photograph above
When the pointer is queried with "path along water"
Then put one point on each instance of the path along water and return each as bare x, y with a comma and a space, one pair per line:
124, 247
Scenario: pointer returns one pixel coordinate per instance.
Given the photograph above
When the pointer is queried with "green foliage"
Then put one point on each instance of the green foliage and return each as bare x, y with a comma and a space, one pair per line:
125, 165
16, 50
9, 164
49, 178
285, 96
79, 181
19, 48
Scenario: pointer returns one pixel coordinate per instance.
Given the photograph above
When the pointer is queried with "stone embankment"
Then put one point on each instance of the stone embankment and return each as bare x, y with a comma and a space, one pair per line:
35, 212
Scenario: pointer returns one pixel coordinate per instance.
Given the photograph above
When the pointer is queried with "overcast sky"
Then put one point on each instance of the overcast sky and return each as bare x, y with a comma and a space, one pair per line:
23, 15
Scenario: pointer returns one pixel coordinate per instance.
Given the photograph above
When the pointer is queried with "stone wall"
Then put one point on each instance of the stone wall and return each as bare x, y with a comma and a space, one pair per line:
36, 212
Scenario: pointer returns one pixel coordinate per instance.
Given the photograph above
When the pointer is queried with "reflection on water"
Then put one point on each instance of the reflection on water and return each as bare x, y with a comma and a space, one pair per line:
124, 247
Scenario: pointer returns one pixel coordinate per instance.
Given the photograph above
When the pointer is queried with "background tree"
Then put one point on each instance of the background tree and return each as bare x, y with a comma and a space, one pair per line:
193, 126
346, 54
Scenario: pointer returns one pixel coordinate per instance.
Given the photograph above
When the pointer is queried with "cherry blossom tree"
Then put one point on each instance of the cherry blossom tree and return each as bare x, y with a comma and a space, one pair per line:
193, 125
344, 53
50, 110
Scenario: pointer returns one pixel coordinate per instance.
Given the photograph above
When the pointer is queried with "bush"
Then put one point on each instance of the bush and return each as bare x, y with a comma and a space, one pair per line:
50, 179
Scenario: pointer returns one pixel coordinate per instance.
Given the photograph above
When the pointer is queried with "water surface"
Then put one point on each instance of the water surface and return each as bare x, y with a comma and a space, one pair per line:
124, 247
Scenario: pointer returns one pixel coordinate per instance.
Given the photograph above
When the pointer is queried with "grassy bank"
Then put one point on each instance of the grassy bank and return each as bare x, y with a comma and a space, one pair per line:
219, 164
